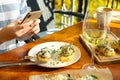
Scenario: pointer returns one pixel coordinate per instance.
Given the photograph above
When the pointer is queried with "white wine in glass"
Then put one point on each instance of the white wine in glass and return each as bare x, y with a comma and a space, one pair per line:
94, 32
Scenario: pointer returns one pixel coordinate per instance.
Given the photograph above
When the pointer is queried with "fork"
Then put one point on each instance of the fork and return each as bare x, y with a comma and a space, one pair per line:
18, 63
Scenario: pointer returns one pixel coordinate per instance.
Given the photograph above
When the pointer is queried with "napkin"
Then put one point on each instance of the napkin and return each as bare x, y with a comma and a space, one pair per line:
116, 16
102, 74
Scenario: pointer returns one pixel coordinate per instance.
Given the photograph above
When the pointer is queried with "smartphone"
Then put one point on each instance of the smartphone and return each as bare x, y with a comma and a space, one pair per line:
32, 16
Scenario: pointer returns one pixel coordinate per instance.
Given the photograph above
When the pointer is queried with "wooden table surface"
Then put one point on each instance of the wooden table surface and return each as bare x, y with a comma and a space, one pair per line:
71, 35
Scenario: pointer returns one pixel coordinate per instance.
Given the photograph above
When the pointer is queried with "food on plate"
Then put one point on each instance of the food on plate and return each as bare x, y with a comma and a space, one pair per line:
106, 50
68, 77
66, 53
115, 44
58, 77
88, 77
43, 55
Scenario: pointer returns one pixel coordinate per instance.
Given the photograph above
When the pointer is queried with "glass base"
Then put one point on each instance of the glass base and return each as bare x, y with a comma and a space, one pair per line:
91, 66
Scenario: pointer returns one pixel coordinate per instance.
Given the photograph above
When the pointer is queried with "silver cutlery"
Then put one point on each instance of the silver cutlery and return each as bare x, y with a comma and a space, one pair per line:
18, 63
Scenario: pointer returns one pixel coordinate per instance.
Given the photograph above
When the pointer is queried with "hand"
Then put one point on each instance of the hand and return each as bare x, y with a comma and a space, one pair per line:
34, 30
17, 30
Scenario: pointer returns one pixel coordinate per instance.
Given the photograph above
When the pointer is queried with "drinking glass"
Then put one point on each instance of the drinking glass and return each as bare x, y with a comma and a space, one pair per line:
94, 32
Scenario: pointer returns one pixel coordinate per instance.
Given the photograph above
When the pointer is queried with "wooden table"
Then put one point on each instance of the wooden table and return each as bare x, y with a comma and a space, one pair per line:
70, 34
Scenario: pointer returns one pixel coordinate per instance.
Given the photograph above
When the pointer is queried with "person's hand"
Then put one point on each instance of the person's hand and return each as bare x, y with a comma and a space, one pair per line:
34, 30
17, 30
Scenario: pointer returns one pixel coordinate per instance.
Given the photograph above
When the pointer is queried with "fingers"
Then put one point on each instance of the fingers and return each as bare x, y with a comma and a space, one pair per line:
36, 22
35, 26
26, 26
35, 30
27, 29
31, 23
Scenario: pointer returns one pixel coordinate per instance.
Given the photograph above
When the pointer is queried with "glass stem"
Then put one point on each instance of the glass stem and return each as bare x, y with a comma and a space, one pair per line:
92, 55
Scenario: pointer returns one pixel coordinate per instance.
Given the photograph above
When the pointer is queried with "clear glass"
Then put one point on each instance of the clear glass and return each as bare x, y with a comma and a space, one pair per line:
94, 32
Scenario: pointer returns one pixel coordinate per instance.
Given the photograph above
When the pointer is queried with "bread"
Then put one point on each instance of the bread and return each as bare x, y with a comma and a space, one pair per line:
43, 56
106, 50
115, 45
66, 58
66, 53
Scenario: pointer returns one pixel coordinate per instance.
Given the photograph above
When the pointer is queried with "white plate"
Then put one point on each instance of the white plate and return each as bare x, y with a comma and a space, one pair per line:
52, 63
102, 74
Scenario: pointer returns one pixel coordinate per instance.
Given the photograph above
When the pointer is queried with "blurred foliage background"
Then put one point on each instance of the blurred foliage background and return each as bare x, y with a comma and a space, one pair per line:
93, 4
62, 20
72, 5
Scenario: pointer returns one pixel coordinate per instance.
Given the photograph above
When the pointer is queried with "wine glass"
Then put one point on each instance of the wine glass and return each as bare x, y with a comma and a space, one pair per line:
94, 33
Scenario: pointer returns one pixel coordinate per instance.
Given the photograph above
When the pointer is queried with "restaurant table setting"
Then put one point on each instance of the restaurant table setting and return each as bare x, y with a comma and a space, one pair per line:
53, 61
61, 56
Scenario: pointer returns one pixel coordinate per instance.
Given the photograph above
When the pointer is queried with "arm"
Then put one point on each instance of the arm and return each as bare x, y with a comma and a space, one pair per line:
4, 35
23, 12
7, 32
15, 30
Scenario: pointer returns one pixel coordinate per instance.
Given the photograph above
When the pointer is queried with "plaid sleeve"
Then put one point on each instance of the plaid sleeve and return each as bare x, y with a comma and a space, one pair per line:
23, 9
